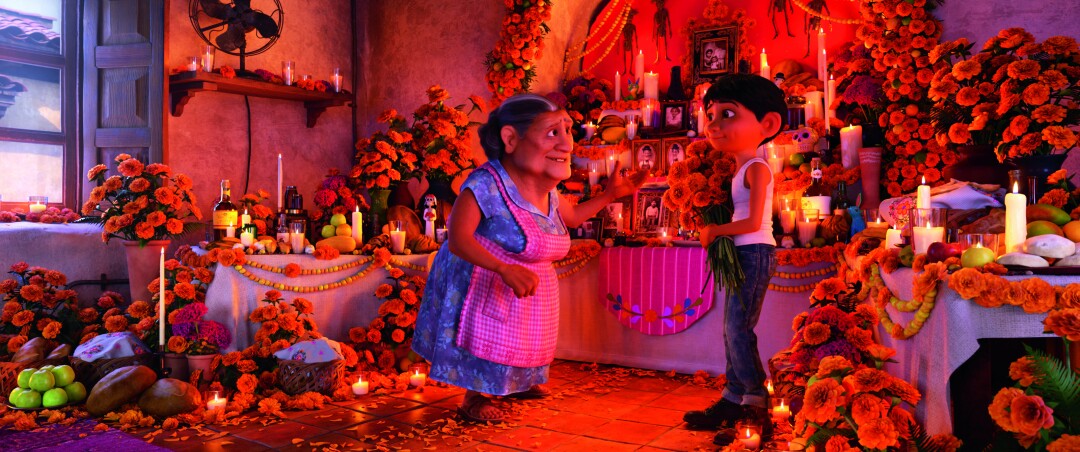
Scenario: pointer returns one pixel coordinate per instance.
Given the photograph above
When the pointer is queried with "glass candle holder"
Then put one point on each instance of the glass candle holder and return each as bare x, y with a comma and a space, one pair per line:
666, 234
985, 240
337, 79
361, 385
305, 77
807, 225
787, 215
192, 63
215, 400
38, 204
873, 219
748, 432
288, 72
927, 226
418, 375
780, 410
296, 236
397, 236
208, 58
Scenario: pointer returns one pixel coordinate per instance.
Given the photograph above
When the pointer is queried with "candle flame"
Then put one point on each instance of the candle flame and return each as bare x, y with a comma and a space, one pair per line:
929, 223
360, 379
416, 372
245, 212
216, 397
747, 432
763, 50
924, 180
1016, 187
978, 245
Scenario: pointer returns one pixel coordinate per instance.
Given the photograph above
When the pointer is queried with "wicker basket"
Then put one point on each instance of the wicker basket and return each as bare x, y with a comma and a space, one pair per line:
9, 372
91, 372
298, 377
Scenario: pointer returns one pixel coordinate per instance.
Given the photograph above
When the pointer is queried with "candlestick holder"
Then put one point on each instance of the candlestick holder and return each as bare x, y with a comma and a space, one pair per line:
164, 371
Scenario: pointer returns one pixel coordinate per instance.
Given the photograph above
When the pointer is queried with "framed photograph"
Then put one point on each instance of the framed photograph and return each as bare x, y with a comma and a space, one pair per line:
674, 117
715, 53
674, 150
648, 212
592, 228
615, 216
647, 156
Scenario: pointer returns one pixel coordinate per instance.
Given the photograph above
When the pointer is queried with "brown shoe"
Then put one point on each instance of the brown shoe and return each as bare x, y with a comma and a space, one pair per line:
474, 407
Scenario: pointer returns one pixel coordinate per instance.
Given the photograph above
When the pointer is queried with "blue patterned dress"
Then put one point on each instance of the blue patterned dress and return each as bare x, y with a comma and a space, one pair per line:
448, 284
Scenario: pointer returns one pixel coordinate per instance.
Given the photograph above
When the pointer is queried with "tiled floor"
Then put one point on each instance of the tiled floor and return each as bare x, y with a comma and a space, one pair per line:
610, 409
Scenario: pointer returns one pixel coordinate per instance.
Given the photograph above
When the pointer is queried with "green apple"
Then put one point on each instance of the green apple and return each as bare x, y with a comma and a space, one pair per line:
76, 392
328, 231
795, 160
54, 398
976, 257
338, 219
24, 377
64, 375
15, 393
42, 380
28, 399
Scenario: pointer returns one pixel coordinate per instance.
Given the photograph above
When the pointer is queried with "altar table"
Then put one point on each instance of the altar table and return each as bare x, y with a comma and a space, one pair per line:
947, 339
64, 248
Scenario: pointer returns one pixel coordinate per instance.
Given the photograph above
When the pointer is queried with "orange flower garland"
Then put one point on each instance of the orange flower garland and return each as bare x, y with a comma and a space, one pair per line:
521, 42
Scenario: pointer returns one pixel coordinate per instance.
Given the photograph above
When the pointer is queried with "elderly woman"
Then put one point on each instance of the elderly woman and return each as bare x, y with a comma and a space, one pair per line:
490, 312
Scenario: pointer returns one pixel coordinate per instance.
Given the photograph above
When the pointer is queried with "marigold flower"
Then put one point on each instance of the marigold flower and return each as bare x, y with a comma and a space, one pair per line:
130, 168
816, 333
116, 323
1062, 322
384, 290
1035, 94
1059, 137
1066, 442
878, 434
247, 383
23, 318
867, 407
31, 292
822, 401
51, 330
1042, 297
868, 380
178, 344
1029, 414
830, 364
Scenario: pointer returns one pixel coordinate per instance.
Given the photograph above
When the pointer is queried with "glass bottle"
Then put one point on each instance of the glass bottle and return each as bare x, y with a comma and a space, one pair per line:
817, 196
224, 212
283, 229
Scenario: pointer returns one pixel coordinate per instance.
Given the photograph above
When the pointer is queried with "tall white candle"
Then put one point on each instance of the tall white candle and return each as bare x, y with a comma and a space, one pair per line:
590, 130
646, 113
639, 67
764, 63
244, 219
1015, 220
652, 85
701, 118
850, 143
631, 130
279, 195
358, 226
822, 65
830, 98
922, 199
787, 220
594, 177
922, 237
161, 301
618, 86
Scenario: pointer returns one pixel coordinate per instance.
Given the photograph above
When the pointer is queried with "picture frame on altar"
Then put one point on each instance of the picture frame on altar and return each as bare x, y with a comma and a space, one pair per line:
673, 117
609, 217
647, 155
592, 228
674, 150
716, 53
649, 212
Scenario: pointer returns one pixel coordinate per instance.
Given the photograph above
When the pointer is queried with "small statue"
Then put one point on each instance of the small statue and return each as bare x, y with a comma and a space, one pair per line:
779, 79
430, 215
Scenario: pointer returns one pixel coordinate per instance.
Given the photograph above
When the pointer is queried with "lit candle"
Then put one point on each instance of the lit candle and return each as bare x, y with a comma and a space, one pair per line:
892, 238
208, 58
652, 85
440, 235
922, 200
417, 379
807, 230
639, 66
775, 162
1015, 220
247, 238
781, 412
358, 226
922, 237
397, 239
610, 163
296, 240
360, 387
279, 195
37, 207
850, 143
618, 86
787, 223
631, 130
594, 177
217, 402
822, 66
287, 70
230, 231
646, 113
769, 386
830, 97
590, 130
244, 219
812, 109
192, 64
764, 64
161, 301
665, 236
618, 222
750, 439
701, 121
337, 79
877, 223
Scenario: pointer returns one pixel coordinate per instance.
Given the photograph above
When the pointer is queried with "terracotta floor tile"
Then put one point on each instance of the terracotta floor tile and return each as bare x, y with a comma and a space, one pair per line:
328, 440
582, 443
575, 423
423, 416
384, 407
430, 394
691, 389
652, 384
485, 447
654, 415
530, 438
603, 408
628, 432
682, 439
450, 404
335, 419
281, 434
226, 443
630, 396
373, 431
683, 403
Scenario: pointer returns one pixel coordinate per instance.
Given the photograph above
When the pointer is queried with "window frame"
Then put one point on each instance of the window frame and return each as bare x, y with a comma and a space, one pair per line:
69, 63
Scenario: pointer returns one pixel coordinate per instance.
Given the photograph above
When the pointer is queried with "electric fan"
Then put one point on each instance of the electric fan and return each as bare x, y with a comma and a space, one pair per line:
227, 26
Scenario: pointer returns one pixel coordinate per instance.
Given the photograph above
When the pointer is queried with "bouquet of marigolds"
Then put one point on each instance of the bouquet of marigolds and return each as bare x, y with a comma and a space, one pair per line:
442, 134
194, 335
37, 303
1015, 94
143, 203
252, 204
388, 158
1043, 408
108, 315
395, 325
700, 190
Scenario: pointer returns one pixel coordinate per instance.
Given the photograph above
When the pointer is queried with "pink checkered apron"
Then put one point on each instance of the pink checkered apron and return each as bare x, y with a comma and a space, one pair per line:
498, 326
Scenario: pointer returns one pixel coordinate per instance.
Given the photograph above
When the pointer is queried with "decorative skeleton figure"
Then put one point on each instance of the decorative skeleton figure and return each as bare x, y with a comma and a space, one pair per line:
780, 7
630, 41
812, 22
661, 27
430, 215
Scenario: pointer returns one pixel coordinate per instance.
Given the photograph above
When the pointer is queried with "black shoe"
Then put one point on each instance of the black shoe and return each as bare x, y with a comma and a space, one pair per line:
725, 437
721, 413
760, 415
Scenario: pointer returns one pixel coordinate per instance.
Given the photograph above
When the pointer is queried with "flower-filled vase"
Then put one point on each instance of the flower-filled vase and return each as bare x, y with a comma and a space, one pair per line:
380, 201
142, 264
1040, 167
201, 362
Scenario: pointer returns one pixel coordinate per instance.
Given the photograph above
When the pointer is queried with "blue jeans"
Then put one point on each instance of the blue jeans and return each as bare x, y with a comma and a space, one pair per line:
742, 307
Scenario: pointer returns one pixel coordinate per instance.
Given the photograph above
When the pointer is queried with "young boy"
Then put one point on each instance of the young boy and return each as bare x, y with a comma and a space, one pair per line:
744, 112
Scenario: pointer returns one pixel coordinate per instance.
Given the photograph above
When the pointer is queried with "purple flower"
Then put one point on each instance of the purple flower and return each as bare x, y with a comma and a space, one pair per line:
334, 182
558, 98
839, 348
193, 312
865, 91
206, 330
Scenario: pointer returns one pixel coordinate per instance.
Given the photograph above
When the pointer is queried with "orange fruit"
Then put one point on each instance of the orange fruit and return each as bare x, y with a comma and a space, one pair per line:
1072, 230
343, 230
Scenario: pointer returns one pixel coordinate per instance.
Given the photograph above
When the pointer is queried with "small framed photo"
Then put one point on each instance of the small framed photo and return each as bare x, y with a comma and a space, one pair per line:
674, 116
647, 156
715, 53
615, 216
674, 150
648, 212
592, 228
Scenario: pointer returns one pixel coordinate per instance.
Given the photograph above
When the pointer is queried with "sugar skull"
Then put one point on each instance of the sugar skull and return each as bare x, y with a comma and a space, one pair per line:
805, 138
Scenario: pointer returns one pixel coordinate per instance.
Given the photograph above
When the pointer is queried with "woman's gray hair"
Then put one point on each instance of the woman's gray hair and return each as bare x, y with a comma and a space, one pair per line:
519, 112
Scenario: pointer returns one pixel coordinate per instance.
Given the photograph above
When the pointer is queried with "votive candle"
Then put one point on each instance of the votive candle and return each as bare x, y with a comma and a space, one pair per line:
217, 402
360, 387
417, 379
1015, 220
922, 198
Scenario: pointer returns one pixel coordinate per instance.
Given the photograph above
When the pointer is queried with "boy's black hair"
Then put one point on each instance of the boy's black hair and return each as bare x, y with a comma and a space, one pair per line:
756, 93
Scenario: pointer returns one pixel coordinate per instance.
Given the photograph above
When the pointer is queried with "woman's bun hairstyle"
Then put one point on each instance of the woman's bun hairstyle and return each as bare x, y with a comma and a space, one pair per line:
519, 112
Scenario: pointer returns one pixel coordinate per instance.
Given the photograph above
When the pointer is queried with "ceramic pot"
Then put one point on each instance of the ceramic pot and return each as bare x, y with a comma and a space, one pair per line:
178, 366
976, 163
201, 362
142, 264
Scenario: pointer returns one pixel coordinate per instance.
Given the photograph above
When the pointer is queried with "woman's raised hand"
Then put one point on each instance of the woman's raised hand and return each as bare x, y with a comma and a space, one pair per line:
520, 279
627, 185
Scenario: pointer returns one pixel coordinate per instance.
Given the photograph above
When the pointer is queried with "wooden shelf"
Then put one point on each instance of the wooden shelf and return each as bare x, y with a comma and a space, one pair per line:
184, 85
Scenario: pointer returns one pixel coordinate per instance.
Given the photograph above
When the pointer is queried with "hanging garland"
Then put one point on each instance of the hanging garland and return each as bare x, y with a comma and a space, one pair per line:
521, 42
807, 274
617, 25
811, 12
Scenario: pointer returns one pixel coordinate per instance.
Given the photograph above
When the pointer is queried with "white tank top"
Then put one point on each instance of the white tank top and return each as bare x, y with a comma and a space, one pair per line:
740, 195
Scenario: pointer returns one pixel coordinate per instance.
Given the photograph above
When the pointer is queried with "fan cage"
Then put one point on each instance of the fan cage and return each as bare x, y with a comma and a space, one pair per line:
195, 11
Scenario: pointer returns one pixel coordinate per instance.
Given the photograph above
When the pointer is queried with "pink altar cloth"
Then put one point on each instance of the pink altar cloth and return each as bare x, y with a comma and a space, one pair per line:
654, 290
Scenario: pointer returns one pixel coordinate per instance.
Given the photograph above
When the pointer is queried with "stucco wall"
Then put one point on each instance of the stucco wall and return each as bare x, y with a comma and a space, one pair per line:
209, 141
